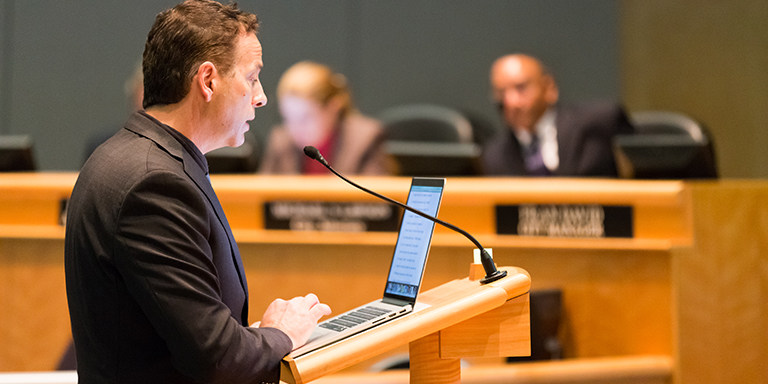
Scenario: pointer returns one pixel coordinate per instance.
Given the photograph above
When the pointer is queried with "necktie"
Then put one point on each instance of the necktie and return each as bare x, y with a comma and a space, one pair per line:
534, 162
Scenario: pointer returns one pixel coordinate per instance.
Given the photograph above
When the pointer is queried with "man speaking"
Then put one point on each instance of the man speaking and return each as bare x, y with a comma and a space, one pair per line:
156, 288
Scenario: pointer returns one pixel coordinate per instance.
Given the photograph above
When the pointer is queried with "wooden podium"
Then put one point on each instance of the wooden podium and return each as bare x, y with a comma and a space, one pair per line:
463, 318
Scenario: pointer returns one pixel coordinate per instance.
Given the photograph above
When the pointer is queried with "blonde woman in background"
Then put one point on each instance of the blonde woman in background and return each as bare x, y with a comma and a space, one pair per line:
316, 108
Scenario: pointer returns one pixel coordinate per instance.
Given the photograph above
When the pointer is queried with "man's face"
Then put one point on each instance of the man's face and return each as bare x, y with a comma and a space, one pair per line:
240, 92
522, 91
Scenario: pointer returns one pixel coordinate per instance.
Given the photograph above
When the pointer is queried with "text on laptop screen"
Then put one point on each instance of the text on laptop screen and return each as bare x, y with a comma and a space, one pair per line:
413, 242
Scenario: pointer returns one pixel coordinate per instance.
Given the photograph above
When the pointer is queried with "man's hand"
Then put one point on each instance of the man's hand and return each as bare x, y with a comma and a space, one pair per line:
296, 317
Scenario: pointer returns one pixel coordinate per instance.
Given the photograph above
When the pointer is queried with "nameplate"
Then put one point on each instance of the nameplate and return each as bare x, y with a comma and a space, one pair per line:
565, 220
331, 216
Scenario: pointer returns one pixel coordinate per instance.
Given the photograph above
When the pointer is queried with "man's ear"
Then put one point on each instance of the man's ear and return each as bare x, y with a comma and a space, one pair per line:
552, 93
205, 80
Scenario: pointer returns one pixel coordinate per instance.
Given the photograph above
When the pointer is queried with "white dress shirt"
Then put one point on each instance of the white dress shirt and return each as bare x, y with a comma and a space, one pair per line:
547, 134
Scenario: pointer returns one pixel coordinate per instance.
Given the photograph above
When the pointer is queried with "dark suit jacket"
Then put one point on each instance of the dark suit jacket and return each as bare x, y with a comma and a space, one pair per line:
359, 149
584, 140
155, 284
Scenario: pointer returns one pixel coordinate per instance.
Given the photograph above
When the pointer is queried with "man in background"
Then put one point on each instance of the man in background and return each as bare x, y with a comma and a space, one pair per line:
544, 138
156, 288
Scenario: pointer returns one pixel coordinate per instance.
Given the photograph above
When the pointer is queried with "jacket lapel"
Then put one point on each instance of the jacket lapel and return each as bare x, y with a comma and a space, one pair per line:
515, 164
203, 182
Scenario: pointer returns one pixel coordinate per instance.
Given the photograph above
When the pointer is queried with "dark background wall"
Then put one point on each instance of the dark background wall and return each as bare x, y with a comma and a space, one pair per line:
64, 64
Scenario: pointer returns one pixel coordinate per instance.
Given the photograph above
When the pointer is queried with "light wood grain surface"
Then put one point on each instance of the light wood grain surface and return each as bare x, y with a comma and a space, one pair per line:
690, 285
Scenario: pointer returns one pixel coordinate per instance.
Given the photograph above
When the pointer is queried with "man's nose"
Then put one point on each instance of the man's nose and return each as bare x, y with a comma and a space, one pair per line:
512, 98
259, 98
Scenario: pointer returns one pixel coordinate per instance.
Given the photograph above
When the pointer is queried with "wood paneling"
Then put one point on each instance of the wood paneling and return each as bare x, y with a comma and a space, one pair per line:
692, 284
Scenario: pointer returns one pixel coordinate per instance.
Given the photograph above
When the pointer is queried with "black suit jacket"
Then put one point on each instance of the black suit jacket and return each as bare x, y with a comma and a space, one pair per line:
584, 139
155, 284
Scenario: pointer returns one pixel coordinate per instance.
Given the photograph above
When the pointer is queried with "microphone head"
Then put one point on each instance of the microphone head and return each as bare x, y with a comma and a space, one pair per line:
312, 152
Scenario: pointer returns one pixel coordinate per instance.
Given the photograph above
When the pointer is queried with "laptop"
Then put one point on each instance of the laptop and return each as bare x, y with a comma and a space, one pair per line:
405, 272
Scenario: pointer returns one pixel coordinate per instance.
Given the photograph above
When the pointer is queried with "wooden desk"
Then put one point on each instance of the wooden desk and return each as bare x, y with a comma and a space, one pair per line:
690, 284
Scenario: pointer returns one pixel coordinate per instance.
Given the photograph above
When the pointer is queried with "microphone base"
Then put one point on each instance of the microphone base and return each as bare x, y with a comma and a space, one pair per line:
493, 277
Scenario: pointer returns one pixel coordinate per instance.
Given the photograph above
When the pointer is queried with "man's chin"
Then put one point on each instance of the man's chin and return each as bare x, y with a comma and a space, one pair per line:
234, 143
240, 141
521, 125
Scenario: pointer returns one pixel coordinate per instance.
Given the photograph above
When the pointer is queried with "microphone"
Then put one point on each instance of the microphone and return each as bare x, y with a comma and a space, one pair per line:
491, 273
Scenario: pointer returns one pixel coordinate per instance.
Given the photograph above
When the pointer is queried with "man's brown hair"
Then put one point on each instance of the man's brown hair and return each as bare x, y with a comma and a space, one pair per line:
186, 36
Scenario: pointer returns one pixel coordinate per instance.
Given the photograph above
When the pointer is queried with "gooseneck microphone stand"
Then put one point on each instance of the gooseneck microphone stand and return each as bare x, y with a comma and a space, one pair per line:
491, 273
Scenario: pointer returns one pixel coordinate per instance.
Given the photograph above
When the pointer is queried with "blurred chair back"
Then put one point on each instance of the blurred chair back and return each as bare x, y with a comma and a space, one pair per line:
242, 159
666, 145
426, 122
16, 154
430, 140
667, 123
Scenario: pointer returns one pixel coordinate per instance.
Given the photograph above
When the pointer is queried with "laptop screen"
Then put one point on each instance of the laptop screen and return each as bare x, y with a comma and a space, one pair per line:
414, 239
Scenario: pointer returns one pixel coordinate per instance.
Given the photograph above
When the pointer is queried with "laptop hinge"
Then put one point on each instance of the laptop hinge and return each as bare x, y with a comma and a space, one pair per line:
398, 302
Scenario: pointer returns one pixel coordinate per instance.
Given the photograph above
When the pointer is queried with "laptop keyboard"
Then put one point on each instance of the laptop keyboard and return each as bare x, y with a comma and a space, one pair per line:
354, 318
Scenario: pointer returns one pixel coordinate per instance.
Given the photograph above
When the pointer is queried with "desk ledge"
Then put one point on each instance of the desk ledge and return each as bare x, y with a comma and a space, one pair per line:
625, 369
